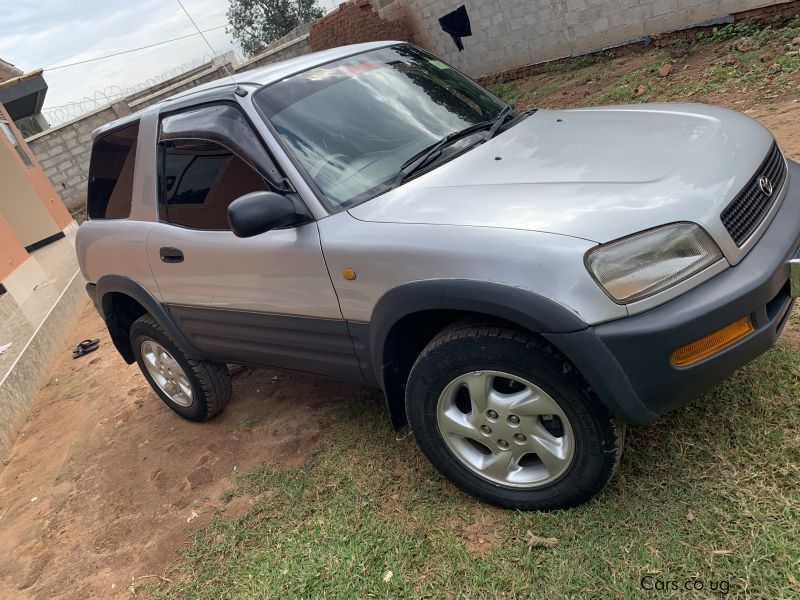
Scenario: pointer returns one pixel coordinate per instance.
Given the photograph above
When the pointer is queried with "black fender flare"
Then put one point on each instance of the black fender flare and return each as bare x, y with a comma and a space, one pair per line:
110, 284
562, 327
522, 307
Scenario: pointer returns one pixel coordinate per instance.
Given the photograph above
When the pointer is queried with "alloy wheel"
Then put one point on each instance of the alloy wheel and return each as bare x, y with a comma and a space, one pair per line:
505, 429
167, 373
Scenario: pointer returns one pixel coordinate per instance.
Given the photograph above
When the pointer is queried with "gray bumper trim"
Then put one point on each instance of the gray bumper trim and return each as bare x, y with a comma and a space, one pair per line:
627, 361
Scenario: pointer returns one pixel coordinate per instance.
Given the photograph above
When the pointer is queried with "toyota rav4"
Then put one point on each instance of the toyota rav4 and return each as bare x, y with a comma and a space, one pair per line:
520, 285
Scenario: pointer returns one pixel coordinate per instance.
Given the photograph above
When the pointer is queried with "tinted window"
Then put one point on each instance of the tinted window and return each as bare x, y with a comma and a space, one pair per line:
111, 174
199, 179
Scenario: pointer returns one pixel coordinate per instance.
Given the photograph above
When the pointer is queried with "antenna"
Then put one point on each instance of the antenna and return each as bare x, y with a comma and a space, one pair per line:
213, 52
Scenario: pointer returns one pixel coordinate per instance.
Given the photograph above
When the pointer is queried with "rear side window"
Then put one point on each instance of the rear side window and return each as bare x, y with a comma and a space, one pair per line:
111, 174
198, 179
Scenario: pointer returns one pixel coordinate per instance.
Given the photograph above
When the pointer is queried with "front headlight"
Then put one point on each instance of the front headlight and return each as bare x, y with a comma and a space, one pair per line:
649, 262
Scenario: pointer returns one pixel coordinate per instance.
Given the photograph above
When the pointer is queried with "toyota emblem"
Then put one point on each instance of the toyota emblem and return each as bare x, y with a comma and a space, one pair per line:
766, 186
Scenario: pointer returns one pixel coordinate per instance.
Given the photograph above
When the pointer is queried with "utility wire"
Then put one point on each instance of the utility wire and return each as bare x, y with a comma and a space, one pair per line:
210, 47
183, 37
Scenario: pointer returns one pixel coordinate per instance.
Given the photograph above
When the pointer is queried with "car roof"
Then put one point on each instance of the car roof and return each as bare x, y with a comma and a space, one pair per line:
255, 77
280, 70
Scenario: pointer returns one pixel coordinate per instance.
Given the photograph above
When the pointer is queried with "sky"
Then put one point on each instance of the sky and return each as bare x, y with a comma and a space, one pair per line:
48, 33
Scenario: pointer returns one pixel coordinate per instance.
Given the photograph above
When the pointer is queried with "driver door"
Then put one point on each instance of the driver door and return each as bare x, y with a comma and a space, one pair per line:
266, 300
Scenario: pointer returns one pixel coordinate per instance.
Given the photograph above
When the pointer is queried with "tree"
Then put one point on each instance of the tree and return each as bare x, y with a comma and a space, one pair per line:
257, 23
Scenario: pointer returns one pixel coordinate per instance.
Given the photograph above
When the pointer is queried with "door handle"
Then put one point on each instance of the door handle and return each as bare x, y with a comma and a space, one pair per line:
170, 255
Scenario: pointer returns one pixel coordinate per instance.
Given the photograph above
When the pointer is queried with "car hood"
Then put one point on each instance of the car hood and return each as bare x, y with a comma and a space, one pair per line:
597, 174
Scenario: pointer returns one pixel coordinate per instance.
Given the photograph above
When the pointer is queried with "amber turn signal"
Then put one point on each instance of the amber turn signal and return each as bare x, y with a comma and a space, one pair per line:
710, 344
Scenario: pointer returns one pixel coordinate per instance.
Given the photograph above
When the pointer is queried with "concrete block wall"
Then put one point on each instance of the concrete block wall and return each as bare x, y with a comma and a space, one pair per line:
507, 34
212, 73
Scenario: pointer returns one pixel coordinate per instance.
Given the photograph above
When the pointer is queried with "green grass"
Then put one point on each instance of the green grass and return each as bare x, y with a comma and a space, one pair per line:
507, 91
740, 29
625, 88
579, 62
761, 35
248, 424
709, 493
788, 64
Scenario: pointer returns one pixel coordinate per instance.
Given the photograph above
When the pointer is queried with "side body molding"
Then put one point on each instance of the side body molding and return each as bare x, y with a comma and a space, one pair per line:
109, 284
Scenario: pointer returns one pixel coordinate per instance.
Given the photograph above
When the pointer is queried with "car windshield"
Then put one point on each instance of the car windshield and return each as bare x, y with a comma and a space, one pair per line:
353, 124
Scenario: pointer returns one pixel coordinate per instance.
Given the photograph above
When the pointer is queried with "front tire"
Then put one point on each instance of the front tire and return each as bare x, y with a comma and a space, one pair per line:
197, 390
506, 419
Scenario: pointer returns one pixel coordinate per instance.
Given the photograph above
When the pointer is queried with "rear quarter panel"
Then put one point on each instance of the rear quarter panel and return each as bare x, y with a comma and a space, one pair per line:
115, 247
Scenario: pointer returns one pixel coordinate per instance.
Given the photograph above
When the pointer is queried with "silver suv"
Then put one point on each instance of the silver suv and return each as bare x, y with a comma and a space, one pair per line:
519, 284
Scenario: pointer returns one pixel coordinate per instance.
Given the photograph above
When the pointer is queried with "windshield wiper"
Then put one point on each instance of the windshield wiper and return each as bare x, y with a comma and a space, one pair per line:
498, 122
421, 159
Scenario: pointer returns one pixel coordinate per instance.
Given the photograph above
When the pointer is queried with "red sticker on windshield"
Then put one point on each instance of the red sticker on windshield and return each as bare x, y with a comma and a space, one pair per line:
361, 68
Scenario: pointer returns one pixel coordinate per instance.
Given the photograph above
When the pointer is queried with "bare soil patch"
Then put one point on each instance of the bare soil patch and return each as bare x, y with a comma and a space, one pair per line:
106, 484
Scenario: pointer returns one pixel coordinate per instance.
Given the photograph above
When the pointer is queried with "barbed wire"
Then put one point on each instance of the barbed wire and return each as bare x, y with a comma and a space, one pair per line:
56, 115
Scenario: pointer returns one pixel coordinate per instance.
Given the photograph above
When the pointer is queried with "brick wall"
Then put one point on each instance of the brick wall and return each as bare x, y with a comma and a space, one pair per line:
8, 71
512, 33
355, 22
290, 46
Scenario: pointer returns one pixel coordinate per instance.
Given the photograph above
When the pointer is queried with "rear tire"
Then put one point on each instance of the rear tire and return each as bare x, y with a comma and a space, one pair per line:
507, 419
197, 390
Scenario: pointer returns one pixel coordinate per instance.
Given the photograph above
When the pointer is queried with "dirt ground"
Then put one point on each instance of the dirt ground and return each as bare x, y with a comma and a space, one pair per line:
784, 122
105, 485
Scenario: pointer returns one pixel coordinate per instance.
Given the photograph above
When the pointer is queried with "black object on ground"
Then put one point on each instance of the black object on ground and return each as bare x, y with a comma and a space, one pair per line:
85, 347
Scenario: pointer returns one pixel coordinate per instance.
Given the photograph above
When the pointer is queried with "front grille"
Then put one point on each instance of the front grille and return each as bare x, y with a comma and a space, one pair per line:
744, 214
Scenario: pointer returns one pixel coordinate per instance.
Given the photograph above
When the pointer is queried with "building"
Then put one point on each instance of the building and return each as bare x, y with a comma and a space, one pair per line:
8, 71
40, 286
23, 95
31, 213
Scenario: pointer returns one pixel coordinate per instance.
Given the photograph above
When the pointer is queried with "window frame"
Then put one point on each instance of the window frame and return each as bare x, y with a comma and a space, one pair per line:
163, 206
162, 211
11, 136
105, 133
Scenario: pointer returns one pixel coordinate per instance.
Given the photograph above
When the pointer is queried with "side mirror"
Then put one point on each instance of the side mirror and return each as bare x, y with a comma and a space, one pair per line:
258, 212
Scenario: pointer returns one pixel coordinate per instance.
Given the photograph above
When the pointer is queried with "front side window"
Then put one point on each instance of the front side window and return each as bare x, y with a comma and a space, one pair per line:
198, 179
353, 123
111, 174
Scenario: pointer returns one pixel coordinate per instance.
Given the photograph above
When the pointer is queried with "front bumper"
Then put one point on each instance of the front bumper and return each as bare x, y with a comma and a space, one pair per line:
627, 362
